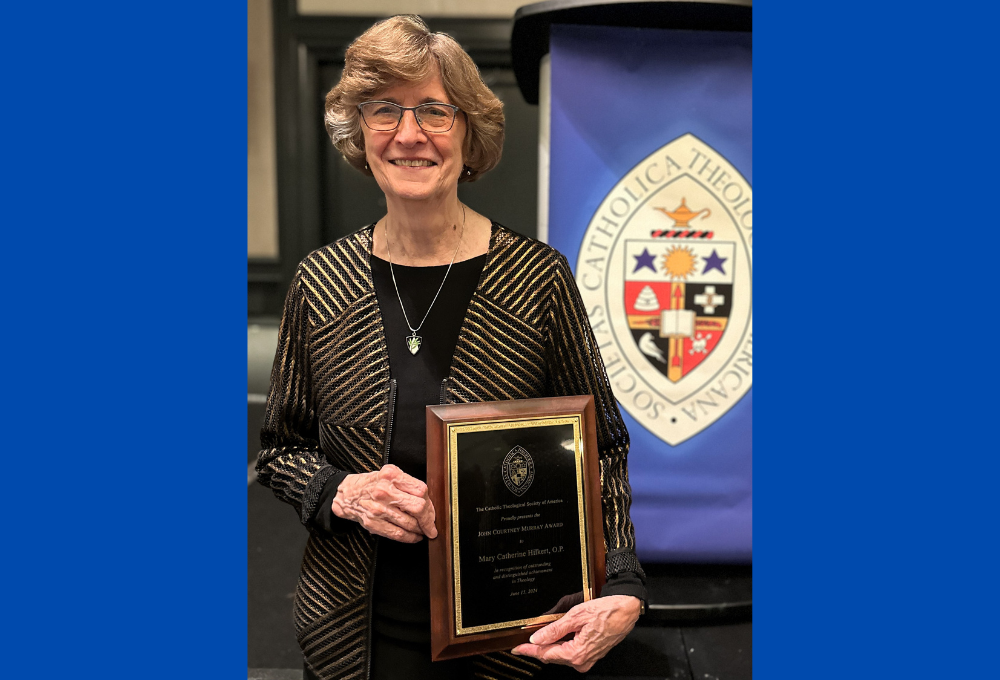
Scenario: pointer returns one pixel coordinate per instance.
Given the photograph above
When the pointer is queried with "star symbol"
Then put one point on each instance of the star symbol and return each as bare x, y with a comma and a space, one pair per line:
644, 260
713, 261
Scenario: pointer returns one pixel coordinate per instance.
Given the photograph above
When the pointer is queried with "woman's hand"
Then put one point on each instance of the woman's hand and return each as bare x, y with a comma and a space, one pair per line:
388, 503
599, 624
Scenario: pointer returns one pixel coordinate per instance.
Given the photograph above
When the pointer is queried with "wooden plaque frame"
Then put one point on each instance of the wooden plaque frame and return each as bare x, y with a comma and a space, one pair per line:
442, 423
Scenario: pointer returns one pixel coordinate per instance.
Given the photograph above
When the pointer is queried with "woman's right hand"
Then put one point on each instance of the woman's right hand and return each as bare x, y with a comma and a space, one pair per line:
387, 503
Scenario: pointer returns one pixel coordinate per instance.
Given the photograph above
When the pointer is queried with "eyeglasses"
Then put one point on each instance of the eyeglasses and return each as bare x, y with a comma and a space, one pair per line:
385, 116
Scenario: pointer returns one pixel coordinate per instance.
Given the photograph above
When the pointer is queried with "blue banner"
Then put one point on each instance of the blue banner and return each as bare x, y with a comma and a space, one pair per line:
650, 199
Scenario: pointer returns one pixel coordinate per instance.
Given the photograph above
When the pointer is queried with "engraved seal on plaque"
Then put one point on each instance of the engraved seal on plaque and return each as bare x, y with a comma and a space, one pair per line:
518, 470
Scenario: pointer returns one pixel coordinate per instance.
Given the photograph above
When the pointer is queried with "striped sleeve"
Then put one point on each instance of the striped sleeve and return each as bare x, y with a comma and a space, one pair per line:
290, 461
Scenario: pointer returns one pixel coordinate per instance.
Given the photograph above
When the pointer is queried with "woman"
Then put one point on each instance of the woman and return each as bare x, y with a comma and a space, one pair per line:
434, 303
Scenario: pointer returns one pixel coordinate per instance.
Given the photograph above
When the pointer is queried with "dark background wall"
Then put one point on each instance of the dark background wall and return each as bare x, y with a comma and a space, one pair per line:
320, 197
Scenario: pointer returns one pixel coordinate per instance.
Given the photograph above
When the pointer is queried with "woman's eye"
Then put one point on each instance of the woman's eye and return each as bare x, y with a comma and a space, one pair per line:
382, 110
433, 111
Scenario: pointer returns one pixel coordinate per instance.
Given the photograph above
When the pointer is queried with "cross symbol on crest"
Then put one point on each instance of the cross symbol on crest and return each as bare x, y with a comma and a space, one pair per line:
709, 300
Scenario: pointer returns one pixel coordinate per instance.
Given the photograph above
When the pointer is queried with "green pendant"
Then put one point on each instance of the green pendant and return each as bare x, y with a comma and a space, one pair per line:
413, 343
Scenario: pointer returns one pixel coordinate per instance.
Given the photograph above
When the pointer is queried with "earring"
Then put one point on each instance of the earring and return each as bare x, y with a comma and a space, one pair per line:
468, 171
366, 167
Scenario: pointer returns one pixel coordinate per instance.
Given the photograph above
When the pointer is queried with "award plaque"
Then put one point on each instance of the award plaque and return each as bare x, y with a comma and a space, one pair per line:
517, 493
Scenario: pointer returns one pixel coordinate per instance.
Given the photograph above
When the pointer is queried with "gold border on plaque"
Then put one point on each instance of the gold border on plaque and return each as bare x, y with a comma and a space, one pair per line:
455, 429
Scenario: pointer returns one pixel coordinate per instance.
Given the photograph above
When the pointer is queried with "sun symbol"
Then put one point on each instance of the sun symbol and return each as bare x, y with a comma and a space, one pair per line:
679, 262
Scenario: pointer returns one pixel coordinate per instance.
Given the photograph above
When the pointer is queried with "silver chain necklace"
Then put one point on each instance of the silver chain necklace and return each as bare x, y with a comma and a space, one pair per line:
413, 340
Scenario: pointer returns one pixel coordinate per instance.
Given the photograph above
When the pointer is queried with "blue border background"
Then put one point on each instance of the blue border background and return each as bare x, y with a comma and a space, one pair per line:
124, 218
124, 232
873, 544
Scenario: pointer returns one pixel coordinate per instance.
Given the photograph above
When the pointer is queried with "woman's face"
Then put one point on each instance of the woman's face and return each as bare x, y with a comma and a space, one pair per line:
439, 153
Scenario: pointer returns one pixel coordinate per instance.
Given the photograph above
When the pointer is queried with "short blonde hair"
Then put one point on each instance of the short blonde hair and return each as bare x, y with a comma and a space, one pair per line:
402, 48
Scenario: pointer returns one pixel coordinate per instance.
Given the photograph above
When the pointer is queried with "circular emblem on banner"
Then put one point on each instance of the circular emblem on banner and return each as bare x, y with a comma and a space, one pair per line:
665, 270
518, 470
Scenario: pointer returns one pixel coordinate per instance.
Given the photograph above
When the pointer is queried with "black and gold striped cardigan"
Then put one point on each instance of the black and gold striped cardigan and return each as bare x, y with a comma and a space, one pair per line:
525, 335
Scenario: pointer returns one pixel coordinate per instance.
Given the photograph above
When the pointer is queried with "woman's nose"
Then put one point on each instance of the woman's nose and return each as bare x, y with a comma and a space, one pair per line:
409, 131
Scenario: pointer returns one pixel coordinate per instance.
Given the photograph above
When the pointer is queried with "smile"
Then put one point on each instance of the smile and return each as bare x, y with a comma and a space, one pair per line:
413, 164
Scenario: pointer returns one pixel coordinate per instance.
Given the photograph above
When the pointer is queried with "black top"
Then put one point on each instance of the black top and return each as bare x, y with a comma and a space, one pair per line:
402, 604
419, 376
401, 600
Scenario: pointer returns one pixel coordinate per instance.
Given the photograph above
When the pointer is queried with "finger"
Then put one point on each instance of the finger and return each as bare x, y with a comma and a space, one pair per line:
426, 519
396, 533
389, 514
403, 481
558, 653
556, 630
420, 509
528, 649
568, 654
389, 470
408, 503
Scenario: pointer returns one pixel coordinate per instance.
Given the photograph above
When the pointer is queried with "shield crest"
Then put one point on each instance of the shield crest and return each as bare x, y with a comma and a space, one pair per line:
518, 470
665, 270
678, 296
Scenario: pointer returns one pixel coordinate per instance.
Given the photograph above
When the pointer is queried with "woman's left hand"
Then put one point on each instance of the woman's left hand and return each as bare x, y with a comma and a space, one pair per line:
599, 624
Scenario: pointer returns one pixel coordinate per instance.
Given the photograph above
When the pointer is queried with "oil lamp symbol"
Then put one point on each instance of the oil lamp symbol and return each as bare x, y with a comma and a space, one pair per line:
682, 214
